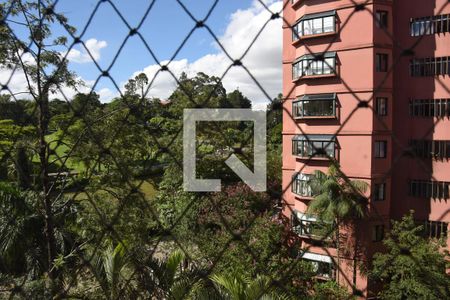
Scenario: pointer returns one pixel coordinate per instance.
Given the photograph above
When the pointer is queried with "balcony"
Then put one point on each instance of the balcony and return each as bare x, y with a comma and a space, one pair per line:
314, 147
300, 186
312, 66
314, 26
309, 227
315, 106
323, 265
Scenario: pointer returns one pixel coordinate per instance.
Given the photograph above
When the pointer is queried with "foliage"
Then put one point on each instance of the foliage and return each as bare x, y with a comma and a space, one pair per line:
22, 242
413, 267
330, 290
336, 197
238, 287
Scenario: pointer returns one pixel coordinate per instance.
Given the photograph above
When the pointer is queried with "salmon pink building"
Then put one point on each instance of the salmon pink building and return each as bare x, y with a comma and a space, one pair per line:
367, 85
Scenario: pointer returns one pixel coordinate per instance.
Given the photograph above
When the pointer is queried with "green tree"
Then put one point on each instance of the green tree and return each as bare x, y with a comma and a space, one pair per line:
22, 241
15, 139
236, 99
83, 104
329, 290
45, 73
110, 269
239, 287
337, 199
412, 267
141, 82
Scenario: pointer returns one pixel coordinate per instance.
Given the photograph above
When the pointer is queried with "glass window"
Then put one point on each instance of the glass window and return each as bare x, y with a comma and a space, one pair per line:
433, 229
380, 149
328, 24
314, 146
317, 26
300, 185
314, 24
323, 269
317, 105
381, 17
378, 233
308, 27
381, 62
309, 65
329, 65
430, 189
379, 191
381, 106
429, 25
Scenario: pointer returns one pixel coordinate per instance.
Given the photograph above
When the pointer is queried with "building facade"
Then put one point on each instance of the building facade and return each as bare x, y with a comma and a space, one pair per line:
368, 86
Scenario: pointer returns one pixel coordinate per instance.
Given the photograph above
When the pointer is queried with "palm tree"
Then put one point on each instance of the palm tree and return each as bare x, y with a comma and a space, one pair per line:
239, 287
110, 269
23, 250
338, 199
173, 278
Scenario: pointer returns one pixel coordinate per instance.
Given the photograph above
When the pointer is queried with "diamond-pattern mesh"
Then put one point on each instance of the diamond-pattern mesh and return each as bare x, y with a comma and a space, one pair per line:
52, 192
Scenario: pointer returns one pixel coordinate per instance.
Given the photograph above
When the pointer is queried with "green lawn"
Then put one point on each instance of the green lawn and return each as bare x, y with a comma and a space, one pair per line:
61, 150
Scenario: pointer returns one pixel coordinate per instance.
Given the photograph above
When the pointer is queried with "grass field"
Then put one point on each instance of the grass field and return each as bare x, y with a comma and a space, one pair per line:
60, 150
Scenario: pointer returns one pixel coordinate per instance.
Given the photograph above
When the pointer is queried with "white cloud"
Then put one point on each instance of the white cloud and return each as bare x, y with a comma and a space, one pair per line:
18, 85
263, 59
82, 56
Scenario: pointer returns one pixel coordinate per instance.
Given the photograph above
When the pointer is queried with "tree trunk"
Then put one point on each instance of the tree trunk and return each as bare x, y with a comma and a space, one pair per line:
22, 168
47, 202
338, 243
355, 255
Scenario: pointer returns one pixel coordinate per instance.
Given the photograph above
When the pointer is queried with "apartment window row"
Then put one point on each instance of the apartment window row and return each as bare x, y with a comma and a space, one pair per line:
433, 229
324, 105
430, 25
316, 105
430, 108
429, 189
431, 149
313, 24
322, 146
317, 64
300, 185
430, 66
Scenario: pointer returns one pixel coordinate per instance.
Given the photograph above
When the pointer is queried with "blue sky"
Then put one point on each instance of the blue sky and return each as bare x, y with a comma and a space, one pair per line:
235, 22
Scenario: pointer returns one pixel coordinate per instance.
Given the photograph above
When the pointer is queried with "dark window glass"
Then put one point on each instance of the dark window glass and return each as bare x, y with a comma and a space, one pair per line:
378, 233
439, 108
430, 189
381, 62
308, 146
379, 192
429, 25
381, 106
434, 229
430, 66
380, 149
381, 18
